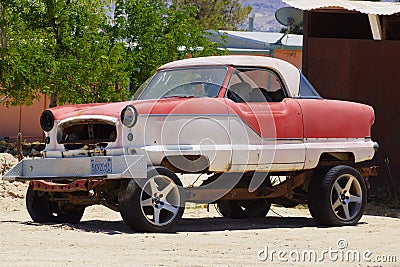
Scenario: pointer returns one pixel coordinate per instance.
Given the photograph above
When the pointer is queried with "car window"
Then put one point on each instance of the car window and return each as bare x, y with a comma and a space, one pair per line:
255, 85
306, 90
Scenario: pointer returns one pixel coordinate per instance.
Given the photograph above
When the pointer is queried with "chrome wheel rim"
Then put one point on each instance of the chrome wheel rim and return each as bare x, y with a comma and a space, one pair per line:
159, 200
346, 197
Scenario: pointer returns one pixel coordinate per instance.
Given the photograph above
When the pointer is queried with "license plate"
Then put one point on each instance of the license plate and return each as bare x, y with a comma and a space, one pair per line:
101, 165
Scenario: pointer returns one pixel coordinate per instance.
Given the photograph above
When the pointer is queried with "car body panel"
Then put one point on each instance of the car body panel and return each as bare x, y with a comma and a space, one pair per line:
336, 119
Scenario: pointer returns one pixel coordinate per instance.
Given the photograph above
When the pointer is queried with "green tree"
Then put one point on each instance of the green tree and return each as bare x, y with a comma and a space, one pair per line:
90, 51
59, 48
217, 14
156, 33
297, 29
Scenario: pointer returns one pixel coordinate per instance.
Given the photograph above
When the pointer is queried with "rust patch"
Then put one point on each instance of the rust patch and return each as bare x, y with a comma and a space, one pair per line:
79, 185
202, 195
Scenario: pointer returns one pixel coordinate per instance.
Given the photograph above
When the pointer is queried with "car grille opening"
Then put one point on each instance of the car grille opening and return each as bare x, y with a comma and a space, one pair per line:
86, 133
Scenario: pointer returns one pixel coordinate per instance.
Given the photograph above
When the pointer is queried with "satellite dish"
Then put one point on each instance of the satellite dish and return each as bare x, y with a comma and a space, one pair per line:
289, 17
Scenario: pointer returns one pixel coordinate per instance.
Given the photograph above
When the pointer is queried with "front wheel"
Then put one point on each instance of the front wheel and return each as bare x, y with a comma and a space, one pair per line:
42, 210
154, 204
339, 198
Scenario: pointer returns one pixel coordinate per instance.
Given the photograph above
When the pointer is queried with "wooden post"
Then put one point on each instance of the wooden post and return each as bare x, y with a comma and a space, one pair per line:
20, 155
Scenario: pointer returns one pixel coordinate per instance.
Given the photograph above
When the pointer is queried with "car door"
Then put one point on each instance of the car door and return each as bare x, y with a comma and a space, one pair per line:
266, 126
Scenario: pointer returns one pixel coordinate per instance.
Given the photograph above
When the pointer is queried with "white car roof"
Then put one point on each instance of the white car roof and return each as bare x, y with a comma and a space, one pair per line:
290, 74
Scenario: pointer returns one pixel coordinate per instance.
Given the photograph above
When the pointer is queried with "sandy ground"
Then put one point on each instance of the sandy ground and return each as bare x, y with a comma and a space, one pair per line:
202, 238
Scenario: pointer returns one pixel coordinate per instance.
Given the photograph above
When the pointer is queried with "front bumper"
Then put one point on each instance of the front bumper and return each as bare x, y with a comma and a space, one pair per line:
101, 167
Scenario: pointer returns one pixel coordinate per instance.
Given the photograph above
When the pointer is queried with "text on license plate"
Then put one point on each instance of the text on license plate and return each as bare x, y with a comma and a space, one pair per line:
101, 165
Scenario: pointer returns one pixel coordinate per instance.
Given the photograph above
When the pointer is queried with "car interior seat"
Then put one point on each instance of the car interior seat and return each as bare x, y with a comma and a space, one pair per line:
239, 92
277, 96
259, 95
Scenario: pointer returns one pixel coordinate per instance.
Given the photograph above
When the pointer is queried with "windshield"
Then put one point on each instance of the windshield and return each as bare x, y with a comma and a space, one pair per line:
185, 82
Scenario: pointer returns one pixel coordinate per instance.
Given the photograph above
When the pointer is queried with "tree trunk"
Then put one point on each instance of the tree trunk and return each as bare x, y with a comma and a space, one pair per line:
53, 100
3, 41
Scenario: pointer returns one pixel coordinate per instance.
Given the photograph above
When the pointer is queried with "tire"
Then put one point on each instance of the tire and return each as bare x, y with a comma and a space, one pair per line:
338, 198
240, 209
42, 210
156, 205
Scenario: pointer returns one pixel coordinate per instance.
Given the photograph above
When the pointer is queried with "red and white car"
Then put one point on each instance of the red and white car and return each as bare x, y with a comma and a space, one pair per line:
254, 126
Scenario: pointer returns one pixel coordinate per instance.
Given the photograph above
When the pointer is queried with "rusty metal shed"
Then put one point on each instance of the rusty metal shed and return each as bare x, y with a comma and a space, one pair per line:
351, 51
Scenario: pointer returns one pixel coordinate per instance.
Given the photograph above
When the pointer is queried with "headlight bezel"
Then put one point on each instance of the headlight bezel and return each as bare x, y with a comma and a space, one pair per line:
47, 120
130, 120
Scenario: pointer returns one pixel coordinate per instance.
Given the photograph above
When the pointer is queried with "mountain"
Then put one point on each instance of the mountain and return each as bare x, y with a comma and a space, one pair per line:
264, 14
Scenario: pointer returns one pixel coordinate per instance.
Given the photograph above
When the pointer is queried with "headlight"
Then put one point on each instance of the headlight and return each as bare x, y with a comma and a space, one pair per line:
47, 120
129, 116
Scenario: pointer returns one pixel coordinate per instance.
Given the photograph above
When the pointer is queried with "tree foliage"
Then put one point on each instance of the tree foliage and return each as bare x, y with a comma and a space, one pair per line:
217, 14
58, 48
90, 51
297, 29
156, 33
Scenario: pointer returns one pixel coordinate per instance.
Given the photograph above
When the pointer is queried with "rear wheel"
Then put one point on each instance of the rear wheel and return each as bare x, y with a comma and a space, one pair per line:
154, 205
338, 198
42, 210
239, 209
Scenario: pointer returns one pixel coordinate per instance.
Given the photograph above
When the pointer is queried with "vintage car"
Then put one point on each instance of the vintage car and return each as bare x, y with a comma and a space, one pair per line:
253, 128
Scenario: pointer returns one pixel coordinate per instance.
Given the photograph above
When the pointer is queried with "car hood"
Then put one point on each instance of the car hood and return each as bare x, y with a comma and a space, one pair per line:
144, 107
104, 109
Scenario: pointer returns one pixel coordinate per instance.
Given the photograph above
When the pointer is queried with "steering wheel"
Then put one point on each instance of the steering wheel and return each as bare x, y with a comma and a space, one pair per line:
194, 89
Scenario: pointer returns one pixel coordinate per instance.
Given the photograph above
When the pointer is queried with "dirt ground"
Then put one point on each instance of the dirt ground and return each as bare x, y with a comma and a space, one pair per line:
286, 237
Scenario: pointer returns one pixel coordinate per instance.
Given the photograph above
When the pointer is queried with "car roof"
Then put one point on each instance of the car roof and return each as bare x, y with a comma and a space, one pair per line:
290, 74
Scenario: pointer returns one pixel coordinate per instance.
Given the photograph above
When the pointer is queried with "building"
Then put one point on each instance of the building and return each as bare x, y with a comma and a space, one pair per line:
262, 44
351, 52
23, 119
